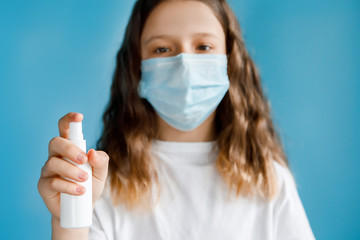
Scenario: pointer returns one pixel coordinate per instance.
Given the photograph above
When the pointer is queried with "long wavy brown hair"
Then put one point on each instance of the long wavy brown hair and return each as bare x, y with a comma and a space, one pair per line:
247, 141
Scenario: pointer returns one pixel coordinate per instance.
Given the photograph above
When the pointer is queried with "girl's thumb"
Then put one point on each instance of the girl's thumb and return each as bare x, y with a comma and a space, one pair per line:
99, 160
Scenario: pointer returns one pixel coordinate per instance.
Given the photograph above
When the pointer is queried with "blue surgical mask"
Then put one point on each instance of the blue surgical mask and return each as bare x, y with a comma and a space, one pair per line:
185, 89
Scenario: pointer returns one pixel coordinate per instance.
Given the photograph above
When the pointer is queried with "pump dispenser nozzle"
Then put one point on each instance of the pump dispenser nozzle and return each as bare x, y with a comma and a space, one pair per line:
76, 131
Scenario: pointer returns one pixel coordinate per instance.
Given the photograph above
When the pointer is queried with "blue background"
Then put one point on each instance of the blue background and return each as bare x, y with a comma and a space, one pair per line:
59, 56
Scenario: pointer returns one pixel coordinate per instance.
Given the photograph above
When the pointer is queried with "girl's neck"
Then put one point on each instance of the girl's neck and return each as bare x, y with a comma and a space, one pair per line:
203, 133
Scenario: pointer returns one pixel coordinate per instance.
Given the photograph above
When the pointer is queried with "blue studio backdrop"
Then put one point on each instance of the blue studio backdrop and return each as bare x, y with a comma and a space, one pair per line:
59, 56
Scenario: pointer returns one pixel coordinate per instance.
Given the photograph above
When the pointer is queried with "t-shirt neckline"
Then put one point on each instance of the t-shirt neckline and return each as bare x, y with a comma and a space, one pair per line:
183, 147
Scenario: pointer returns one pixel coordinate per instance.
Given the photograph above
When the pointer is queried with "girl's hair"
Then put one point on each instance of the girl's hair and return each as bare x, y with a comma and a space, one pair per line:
247, 141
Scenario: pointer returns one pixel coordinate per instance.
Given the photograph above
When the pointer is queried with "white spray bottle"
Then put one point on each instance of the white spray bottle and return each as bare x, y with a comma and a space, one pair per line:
76, 211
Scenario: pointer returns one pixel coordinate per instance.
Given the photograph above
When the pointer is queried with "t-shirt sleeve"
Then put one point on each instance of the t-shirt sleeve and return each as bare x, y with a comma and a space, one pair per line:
291, 222
104, 219
96, 231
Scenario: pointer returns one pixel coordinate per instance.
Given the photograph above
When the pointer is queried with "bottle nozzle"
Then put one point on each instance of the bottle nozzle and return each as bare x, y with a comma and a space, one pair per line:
76, 131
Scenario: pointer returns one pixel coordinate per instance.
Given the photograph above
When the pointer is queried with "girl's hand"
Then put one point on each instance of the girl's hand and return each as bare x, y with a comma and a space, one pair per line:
51, 183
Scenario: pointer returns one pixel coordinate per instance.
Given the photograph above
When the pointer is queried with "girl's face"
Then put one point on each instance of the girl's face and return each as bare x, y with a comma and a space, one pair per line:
176, 27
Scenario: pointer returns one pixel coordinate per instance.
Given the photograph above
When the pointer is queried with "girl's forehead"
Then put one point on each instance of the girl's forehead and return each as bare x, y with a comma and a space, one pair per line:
181, 18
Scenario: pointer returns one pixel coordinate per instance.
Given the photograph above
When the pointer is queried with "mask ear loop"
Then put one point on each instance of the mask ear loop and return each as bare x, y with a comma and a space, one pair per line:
227, 67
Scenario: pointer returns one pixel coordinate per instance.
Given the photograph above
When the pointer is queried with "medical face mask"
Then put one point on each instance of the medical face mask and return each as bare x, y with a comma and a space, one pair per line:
185, 89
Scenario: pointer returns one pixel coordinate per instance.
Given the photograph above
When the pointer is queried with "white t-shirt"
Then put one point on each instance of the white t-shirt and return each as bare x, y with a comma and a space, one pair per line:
194, 204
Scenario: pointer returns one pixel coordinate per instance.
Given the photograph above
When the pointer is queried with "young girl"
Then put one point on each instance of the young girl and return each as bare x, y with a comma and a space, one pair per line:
191, 147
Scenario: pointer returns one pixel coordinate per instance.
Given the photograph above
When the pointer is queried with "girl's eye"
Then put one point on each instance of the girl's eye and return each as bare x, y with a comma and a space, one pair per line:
204, 48
162, 50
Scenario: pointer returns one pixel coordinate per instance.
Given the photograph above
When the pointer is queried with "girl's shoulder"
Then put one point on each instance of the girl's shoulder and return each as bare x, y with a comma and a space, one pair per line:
289, 212
287, 186
284, 174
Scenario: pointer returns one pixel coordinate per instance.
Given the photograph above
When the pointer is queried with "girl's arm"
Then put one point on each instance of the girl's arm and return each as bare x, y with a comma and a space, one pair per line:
59, 233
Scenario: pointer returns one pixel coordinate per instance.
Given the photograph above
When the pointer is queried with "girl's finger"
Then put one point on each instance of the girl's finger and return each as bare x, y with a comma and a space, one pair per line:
59, 185
57, 166
59, 146
64, 123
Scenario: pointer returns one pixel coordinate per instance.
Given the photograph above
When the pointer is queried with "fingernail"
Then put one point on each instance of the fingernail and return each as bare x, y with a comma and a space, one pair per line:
83, 175
80, 189
81, 157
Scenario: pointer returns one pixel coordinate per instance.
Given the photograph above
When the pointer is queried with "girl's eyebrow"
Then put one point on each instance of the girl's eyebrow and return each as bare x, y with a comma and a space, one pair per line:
162, 36
206, 34
156, 37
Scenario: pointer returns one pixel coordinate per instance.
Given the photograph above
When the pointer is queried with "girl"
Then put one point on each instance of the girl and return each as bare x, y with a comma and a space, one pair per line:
193, 151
